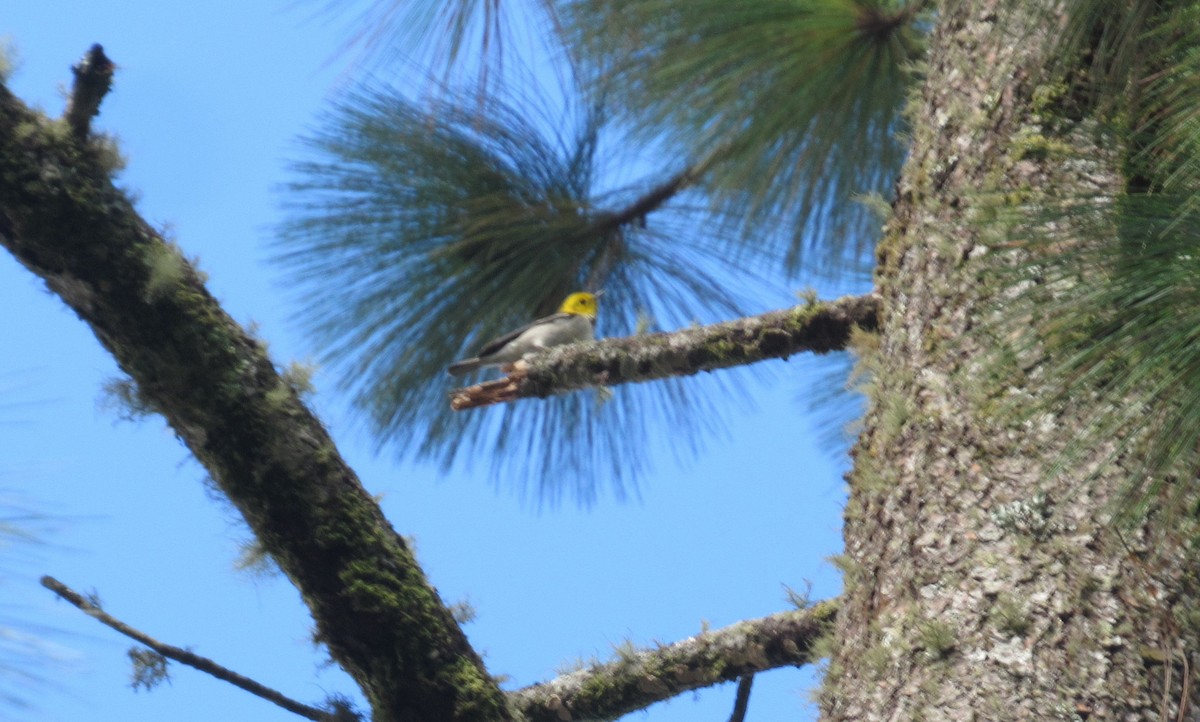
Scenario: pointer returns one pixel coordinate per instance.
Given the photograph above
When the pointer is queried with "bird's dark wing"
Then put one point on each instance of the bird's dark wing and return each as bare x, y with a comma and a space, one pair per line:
496, 344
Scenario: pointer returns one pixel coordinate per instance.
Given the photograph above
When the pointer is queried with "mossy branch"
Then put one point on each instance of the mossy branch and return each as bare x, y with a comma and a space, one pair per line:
816, 327
183, 656
637, 680
62, 217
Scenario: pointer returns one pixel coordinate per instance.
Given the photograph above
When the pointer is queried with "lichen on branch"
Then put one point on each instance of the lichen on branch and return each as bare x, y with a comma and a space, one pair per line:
815, 327
637, 679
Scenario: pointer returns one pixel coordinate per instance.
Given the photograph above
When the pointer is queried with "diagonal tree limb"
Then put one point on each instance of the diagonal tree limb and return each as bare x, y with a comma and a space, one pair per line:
636, 681
64, 220
183, 656
817, 327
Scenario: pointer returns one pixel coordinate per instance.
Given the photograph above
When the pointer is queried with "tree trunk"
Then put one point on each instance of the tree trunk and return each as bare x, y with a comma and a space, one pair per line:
981, 583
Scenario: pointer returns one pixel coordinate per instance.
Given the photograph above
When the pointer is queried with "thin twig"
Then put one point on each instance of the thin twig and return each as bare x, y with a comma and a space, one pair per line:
183, 656
651, 201
93, 80
742, 701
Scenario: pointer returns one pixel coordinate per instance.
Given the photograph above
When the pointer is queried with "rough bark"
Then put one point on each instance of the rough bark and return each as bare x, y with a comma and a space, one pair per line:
61, 216
642, 677
980, 583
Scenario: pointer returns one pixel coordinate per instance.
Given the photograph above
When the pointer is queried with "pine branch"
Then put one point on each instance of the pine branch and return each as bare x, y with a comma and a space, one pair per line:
650, 201
817, 327
639, 679
609, 224
62, 217
183, 656
93, 80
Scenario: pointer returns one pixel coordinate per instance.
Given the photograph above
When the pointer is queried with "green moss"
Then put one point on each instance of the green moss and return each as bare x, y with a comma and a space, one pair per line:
376, 590
574, 665
870, 478
1010, 616
936, 638
721, 348
627, 652
895, 410
166, 267
1033, 145
877, 659
300, 377
25, 131
851, 569
9, 58
862, 342
294, 381
827, 694
123, 397
990, 559
595, 687
477, 696
1188, 618
254, 560
1152, 655
108, 153
58, 132
844, 562
280, 394
1047, 97
824, 646
825, 611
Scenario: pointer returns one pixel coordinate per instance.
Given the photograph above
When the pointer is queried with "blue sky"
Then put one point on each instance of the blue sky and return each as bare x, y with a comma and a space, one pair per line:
208, 100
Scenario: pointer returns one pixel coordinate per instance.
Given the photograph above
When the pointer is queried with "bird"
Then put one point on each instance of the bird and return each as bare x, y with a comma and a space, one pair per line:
574, 321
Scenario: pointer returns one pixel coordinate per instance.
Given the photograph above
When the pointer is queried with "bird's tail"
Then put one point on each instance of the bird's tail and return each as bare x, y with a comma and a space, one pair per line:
467, 365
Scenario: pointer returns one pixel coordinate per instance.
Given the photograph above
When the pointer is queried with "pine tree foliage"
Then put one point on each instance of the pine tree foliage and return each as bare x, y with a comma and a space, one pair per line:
27, 656
480, 44
1121, 323
442, 33
416, 235
790, 105
421, 229
778, 113
418, 230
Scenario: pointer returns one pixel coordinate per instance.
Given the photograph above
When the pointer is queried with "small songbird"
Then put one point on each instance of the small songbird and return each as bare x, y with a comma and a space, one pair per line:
575, 321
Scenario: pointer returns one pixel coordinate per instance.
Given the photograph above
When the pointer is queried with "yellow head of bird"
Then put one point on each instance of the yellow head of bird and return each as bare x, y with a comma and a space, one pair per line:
580, 304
